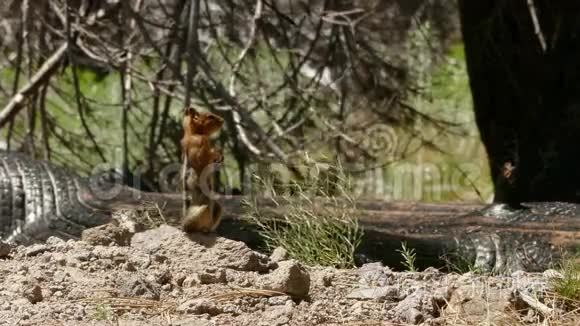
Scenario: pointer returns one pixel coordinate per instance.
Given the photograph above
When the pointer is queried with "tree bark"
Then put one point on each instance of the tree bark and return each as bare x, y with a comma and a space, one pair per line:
524, 73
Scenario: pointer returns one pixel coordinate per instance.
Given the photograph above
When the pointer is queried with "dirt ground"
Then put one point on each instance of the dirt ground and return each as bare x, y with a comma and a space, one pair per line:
163, 276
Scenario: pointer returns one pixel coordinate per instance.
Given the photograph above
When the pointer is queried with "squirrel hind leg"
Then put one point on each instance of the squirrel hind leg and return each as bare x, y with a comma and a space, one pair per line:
202, 218
197, 219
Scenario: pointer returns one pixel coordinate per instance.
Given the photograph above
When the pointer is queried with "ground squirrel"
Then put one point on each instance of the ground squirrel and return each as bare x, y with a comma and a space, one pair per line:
200, 213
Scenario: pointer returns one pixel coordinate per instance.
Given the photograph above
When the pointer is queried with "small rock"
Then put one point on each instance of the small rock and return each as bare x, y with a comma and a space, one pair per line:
119, 260
33, 293
5, 305
441, 296
212, 276
327, 279
374, 274
179, 278
412, 316
432, 270
4, 249
199, 307
162, 276
290, 277
551, 273
416, 307
36, 250
55, 241
378, 293
471, 305
191, 281
138, 287
152, 240
159, 258
279, 254
82, 255
129, 266
245, 259
139, 260
107, 234
278, 300
357, 308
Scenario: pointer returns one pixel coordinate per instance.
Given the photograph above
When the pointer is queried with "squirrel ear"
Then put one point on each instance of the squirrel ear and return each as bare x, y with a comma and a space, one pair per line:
190, 111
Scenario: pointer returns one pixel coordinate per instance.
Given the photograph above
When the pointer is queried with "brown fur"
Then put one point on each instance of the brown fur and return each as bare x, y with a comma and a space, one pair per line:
195, 144
201, 213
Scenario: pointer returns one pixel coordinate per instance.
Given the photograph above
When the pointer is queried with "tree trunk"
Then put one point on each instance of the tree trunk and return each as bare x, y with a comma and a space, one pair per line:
524, 71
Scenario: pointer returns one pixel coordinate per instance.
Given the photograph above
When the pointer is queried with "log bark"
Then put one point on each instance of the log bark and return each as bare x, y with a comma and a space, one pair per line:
489, 239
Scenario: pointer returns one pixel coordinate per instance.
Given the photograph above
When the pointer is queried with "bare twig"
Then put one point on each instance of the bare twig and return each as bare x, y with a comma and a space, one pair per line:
37, 80
44, 122
192, 47
76, 84
536, 22
250, 43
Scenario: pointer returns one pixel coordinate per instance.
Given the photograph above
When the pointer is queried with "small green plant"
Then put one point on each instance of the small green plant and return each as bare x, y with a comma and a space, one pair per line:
102, 312
314, 225
409, 257
568, 286
456, 262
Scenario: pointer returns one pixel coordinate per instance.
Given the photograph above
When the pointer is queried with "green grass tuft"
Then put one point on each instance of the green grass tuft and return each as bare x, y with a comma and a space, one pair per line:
409, 257
455, 261
102, 312
568, 287
314, 221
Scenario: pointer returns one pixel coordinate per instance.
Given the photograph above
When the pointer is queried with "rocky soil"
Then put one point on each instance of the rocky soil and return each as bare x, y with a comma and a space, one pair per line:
163, 276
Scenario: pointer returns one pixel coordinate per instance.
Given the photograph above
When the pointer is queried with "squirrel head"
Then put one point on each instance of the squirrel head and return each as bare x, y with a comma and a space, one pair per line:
201, 123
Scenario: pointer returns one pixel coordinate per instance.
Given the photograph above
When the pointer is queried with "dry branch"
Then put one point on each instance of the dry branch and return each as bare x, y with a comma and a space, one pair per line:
42, 75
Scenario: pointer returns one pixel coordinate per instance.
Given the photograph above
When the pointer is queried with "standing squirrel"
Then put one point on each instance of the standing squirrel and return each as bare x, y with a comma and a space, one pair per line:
200, 212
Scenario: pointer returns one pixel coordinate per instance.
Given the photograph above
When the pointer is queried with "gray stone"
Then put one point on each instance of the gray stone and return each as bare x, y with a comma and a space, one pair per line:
36, 250
412, 316
279, 254
199, 307
416, 307
551, 273
4, 249
290, 277
138, 287
212, 275
377, 293
374, 274
55, 242
468, 304
152, 240
33, 293
107, 234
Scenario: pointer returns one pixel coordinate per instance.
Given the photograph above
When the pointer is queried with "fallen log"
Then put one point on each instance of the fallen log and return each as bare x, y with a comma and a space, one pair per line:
442, 235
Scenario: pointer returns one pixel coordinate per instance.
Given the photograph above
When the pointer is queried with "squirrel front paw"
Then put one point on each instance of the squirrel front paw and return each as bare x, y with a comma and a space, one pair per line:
218, 156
